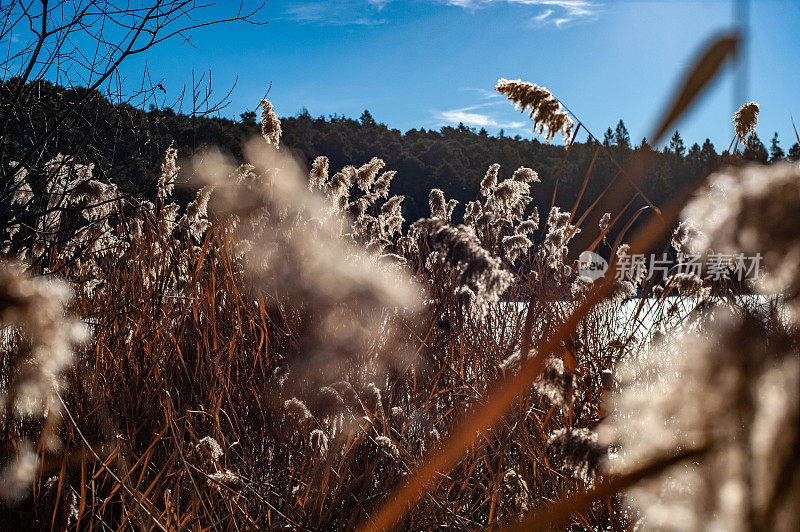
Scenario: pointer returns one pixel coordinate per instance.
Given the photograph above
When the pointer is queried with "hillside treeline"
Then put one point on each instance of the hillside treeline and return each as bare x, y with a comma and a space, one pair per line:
126, 143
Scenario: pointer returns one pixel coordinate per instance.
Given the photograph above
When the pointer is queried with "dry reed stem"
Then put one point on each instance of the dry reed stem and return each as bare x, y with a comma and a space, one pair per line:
485, 416
558, 513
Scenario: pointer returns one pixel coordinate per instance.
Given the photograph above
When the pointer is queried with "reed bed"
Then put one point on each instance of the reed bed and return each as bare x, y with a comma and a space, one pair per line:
286, 351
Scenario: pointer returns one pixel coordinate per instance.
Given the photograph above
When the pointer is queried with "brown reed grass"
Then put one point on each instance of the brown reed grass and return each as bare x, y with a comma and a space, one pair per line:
279, 357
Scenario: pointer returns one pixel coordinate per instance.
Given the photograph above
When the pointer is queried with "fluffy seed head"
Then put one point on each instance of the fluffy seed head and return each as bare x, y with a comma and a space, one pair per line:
228, 483
438, 204
555, 382
367, 173
270, 124
489, 181
579, 451
169, 171
745, 120
545, 110
459, 247
683, 236
210, 446
382, 183
516, 489
515, 246
733, 386
388, 447
371, 397
753, 210
296, 411
526, 175
318, 175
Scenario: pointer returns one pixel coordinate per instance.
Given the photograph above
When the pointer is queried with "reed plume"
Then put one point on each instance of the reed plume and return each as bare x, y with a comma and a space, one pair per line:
745, 120
270, 124
544, 109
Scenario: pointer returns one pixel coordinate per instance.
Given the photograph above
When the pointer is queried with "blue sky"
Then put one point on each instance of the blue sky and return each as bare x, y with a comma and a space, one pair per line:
428, 63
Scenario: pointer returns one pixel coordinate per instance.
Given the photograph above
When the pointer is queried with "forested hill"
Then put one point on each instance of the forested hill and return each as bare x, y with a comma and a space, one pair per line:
455, 159
127, 143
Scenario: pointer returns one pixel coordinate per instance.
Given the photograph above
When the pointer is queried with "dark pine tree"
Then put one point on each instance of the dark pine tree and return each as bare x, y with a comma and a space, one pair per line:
794, 152
366, 119
248, 117
676, 145
608, 138
709, 160
776, 153
621, 137
755, 150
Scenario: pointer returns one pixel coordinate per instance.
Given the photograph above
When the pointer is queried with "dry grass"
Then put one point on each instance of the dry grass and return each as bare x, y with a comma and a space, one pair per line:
227, 387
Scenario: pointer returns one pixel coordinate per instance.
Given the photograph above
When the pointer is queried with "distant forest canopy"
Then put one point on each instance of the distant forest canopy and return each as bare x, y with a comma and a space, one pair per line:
127, 144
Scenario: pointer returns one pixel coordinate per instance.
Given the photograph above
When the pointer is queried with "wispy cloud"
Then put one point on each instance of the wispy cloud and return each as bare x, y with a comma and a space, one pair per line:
543, 16
368, 12
557, 12
469, 117
340, 13
484, 93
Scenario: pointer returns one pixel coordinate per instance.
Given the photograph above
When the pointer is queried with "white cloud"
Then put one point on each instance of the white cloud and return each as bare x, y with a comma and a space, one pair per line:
484, 93
339, 13
559, 12
367, 12
465, 3
469, 117
543, 16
